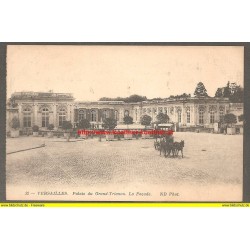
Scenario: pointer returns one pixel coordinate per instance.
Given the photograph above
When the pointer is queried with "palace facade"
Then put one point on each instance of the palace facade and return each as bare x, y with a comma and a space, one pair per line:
44, 108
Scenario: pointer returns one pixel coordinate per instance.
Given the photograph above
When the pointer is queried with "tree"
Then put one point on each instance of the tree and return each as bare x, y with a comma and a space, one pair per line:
230, 119
84, 124
51, 127
128, 120
219, 92
136, 98
200, 90
241, 118
234, 92
162, 118
35, 128
132, 98
67, 125
146, 120
109, 123
15, 124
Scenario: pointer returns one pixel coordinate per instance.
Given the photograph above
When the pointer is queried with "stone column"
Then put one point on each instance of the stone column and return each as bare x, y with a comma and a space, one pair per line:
35, 114
20, 115
55, 116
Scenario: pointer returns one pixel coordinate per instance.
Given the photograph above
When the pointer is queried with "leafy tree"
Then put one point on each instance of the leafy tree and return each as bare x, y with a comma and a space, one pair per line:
136, 98
234, 92
51, 127
84, 124
219, 92
241, 118
184, 95
162, 118
200, 90
35, 128
109, 123
237, 95
132, 98
128, 120
67, 125
230, 119
15, 124
146, 120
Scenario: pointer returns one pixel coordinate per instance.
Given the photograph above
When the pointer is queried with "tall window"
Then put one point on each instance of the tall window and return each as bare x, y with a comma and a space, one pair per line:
81, 115
105, 114
45, 117
179, 116
201, 117
27, 117
221, 115
116, 115
188, 116
211, 116
93, 115
62, 116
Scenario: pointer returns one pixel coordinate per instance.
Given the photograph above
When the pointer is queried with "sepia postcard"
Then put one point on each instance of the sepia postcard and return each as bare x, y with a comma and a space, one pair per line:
124, 123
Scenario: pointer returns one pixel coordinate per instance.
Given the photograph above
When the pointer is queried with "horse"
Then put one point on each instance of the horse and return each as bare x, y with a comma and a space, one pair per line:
166, 146
178, 146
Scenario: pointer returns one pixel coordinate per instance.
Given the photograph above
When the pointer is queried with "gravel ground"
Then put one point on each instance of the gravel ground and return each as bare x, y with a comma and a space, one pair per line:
212, 163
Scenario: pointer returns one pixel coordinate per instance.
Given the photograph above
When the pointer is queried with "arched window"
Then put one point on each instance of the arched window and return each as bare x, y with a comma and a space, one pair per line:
45, 117
27, 118
201, 116
126, 113
93, 115
116, 115
81, 115
62, 116
211, 116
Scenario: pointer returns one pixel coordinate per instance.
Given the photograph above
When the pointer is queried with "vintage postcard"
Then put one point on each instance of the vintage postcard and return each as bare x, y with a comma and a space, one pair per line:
124, 123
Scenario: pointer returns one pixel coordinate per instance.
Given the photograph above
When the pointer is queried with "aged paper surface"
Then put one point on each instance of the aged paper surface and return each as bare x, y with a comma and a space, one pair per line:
55, 91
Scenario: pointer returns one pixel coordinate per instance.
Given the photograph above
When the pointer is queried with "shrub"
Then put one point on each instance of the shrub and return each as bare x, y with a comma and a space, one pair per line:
67, 125
241, 118
162, 118
128, 120
229, 119
15, 124
109, 123
146, 120
84, 124
50, 127
35, 128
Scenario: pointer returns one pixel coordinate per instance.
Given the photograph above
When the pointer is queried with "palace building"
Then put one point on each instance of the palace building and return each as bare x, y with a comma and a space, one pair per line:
44, 108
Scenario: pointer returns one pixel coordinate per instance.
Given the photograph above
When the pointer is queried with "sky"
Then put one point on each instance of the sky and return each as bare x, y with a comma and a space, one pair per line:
92, 72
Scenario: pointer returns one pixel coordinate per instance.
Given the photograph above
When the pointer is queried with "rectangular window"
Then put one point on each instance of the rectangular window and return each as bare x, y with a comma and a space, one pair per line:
179, 117
201, 117
212, 117
81, 117
61, 120
188, 117
45, 121
221, 115
27, 121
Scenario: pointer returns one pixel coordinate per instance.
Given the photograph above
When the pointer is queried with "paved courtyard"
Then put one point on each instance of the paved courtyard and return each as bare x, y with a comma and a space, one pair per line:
211, 169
